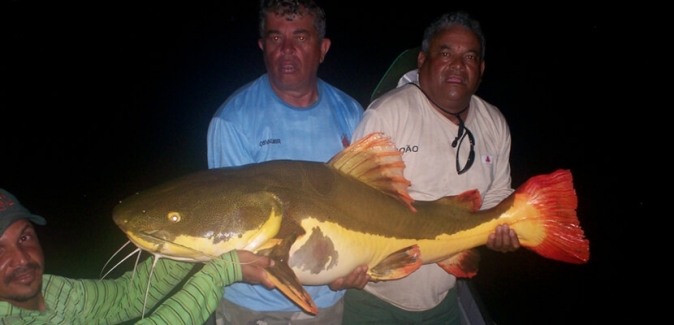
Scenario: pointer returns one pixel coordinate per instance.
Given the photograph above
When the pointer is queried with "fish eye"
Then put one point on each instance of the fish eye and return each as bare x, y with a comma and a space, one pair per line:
174, 217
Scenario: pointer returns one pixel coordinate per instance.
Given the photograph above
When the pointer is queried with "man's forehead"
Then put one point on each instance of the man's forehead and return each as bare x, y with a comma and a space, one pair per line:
295, 26
17, 227
455, 37
289, 18
450, 46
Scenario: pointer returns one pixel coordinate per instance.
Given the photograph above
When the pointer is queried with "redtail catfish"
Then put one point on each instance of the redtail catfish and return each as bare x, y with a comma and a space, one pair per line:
321, 220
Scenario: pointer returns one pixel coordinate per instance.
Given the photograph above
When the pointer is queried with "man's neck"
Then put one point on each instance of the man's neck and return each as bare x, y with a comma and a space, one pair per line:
452, 110
35, 303
297, 99
300, 97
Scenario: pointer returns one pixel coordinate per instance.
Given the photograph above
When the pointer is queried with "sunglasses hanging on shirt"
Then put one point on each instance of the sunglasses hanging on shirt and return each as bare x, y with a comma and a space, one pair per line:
463, 132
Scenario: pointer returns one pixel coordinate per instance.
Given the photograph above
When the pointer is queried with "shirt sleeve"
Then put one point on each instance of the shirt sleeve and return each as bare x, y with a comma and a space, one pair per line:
226, 146
75, 301
371, 122
500, 186
199, 297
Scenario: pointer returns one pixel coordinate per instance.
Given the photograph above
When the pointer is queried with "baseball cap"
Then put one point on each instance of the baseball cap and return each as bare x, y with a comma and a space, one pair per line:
11, 210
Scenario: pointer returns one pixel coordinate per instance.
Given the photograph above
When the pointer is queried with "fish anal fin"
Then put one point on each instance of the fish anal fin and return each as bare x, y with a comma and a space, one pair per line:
376, 161
463, 264
397, 265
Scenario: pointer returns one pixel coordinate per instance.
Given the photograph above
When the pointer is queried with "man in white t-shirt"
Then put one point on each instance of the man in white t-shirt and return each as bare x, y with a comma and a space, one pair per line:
452, 141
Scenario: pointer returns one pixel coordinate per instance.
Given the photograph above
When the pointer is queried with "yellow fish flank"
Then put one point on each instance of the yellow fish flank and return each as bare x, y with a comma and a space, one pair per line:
319, 221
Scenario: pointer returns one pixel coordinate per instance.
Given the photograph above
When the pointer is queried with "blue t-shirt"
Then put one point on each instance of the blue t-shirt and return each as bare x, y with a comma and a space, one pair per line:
254, 125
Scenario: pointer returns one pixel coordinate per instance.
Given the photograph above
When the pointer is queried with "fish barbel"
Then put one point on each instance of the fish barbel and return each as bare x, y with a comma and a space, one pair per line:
319, 221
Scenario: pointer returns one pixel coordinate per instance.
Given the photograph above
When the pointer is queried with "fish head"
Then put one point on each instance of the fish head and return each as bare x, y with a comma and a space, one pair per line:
181, 221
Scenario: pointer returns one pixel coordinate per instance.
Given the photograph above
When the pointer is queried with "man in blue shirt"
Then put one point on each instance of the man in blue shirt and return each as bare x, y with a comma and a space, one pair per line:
287, 113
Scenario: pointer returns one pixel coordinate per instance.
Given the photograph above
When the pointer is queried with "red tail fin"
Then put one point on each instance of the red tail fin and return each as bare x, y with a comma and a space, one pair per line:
560, 236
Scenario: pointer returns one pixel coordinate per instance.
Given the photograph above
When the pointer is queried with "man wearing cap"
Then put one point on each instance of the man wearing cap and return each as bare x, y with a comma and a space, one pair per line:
29, 296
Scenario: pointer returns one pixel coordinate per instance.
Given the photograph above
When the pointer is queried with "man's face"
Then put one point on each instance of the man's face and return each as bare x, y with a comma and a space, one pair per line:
451, 71
21, 265
292, 52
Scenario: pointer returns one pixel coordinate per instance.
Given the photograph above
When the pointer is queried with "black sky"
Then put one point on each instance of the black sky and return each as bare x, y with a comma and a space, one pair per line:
102, 99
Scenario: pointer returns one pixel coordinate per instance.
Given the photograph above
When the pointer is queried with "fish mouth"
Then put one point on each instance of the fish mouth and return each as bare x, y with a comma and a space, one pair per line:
152, 241
161, 244
156, 235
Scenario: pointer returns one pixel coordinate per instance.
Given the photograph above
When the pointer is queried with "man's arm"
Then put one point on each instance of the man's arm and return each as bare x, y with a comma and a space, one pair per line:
503, 239
199, 297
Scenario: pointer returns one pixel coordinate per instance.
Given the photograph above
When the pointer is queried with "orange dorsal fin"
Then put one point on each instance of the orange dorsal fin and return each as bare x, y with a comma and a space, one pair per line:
376, 161
463, 264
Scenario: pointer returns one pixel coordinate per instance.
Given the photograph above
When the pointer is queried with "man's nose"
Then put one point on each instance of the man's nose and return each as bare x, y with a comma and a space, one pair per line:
288, 46
458, 63
19, 256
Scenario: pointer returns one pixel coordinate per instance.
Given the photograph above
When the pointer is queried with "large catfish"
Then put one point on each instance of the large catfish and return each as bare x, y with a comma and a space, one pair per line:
320, 221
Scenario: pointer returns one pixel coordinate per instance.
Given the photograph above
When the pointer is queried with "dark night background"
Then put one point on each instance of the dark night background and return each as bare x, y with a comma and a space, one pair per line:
102, 99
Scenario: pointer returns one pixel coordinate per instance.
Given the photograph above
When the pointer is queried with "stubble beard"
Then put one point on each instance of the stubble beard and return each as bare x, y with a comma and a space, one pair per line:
22, 295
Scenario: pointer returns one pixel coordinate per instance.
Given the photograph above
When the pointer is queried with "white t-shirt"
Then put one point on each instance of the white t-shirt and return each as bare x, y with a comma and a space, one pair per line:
425, 137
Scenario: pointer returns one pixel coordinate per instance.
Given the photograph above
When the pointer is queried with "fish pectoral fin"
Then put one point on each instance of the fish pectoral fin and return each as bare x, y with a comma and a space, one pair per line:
397, 265
284, 277
463, 264
287, 282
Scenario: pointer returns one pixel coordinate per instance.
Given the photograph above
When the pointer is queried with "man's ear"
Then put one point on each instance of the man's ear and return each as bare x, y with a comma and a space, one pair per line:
420, 59
325, 46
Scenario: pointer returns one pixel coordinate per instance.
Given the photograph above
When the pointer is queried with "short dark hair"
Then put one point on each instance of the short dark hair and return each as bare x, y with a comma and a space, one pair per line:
456, 18
290, 8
